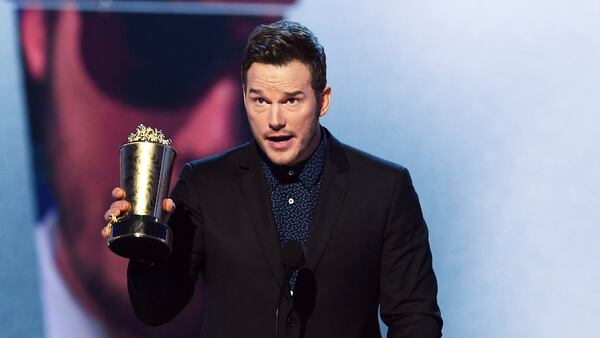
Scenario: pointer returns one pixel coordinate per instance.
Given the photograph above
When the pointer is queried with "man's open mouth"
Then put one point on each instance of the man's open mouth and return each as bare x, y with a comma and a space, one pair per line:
282, 138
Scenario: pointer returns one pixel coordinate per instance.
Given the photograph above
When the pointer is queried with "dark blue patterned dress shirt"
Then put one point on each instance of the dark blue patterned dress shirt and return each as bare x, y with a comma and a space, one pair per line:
294, 192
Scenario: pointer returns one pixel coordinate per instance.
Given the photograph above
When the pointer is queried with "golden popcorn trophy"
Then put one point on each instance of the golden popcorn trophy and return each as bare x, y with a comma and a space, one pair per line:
146, 167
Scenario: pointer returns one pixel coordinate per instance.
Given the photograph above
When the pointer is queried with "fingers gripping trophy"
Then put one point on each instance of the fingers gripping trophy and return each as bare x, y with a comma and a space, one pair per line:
146, 165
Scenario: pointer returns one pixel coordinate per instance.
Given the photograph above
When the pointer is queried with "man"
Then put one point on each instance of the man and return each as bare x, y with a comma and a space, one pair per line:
357, 217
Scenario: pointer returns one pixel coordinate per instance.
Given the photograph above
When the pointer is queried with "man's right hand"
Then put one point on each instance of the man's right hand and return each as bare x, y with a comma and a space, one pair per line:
120, 207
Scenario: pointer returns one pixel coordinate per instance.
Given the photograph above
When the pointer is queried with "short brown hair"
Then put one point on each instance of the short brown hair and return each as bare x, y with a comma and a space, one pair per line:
282, 42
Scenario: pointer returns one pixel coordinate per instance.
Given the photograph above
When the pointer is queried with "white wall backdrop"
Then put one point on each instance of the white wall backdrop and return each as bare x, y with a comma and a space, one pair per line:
493, 106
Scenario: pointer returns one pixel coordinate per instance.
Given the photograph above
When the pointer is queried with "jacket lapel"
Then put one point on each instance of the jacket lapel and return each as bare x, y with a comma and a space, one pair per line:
257, 203
334, 187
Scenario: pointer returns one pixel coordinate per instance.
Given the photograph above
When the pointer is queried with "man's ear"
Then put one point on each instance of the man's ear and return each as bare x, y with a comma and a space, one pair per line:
33, 36
325, 100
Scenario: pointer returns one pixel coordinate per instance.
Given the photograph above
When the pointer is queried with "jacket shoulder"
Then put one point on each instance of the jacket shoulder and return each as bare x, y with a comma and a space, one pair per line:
222, 163
369, 164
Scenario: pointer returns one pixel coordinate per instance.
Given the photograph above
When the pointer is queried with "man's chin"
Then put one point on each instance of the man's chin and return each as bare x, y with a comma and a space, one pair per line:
280, 158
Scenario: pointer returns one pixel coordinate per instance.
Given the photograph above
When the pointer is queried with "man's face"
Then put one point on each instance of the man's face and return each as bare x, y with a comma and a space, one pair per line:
283, 110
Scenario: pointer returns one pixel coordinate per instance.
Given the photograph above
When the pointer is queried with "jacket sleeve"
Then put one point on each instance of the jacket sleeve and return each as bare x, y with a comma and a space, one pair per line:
408, 287
160, 291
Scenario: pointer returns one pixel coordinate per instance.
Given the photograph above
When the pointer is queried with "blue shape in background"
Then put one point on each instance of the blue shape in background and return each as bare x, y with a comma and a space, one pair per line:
20, 314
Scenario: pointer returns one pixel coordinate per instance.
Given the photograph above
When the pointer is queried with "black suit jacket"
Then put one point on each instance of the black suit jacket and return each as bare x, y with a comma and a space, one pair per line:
367, 247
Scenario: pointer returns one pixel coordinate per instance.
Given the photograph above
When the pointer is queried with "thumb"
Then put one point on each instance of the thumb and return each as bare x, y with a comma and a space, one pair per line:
168, 205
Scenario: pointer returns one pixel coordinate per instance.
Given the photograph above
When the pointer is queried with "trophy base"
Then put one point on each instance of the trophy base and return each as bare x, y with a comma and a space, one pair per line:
142, 238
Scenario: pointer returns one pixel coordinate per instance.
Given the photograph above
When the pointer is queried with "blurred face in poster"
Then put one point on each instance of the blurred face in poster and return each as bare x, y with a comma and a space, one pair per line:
91, 79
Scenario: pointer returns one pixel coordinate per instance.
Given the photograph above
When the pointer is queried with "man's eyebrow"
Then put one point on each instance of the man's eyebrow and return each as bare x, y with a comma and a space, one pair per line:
295, 93
288, 94
254, 91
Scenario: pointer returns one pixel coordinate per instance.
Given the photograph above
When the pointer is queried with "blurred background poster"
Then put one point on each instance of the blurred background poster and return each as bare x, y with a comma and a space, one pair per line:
492, 106
92, 72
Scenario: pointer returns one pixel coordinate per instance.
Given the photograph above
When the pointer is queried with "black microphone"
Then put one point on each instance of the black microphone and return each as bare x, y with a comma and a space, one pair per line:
292, 257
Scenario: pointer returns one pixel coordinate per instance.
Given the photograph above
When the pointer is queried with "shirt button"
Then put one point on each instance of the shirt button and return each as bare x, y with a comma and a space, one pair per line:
291, 201
291, 322
291, 173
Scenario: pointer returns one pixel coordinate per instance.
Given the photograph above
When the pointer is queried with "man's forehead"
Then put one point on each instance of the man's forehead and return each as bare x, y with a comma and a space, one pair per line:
291, 77
291, 70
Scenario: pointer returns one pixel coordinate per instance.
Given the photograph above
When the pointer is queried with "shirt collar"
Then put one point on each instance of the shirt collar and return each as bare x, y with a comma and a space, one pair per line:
308, 172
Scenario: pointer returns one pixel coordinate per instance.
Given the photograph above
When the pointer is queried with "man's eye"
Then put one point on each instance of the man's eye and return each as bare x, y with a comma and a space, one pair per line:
260, 101
292, 101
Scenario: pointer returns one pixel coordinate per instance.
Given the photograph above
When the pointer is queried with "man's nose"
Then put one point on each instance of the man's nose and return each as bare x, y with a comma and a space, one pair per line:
276, 117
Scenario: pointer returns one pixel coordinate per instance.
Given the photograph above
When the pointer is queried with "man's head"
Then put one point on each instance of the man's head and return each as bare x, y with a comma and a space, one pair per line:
285, 90
282, 42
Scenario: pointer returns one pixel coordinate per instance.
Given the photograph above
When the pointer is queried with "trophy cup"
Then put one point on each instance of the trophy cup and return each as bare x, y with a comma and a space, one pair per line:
146, 167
